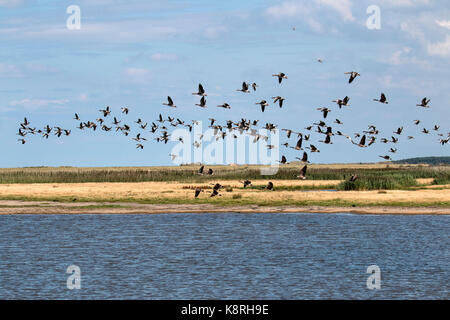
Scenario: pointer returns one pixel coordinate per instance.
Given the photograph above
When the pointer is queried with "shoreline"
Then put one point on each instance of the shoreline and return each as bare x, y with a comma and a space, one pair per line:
13, 207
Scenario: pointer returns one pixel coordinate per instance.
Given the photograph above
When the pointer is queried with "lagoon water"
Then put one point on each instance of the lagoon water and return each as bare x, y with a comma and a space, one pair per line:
224, 256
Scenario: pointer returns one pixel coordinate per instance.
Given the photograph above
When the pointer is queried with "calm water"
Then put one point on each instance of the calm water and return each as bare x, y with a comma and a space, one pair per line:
224, 256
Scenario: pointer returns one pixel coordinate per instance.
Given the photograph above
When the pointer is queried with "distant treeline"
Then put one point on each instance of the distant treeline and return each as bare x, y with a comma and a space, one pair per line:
426, 160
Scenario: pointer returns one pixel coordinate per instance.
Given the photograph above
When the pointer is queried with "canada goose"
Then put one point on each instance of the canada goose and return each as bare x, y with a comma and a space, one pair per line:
244, 88
125, 110
23, 141
362, 142
263, 104
279, 99
280, 76
424, 103
327, 140
25, 122
324, 111
394, 140
173, 156
283, 160
304, 158
399, 131
201, 91
116, 122
320, 60
202, 102
353, 75
210, 172
139, 146
338, 121
425, 131
382, 99
410, 137
385, 157
302, 174
225, 106
170, 102
197, 192
436, 127
76, 117
353, 178
313, 148
254, 86
416, 122
246, 183
269, 186
215, 193
343, 102
200, 171
392, 150
105, 112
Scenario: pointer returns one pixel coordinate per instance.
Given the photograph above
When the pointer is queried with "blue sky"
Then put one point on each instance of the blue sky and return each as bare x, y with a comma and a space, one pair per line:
135, 53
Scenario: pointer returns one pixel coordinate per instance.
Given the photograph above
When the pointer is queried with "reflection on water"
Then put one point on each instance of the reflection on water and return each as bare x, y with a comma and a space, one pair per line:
224, 256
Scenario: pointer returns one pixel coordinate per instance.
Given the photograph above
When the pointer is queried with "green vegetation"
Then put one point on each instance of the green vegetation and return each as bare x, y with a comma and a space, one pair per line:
426, 160
370, 182
187, 174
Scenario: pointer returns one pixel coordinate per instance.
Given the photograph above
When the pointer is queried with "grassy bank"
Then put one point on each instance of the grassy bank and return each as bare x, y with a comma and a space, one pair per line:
403, 173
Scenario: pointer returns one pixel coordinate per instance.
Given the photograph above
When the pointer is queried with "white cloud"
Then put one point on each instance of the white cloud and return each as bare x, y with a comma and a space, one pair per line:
10, 3
38, 103
10, 71
164, 56
403, 3
310, 10
441, 49
444, 23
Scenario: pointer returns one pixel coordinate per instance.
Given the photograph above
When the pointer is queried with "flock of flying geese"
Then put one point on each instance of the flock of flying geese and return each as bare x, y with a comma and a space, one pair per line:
160, 127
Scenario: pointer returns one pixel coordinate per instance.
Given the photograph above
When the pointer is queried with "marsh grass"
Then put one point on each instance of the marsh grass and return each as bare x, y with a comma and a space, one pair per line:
187, 174
393, 182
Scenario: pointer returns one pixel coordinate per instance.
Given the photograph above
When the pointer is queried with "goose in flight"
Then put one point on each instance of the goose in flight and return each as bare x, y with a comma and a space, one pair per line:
201, 91
324, 111
280, 76
170, 102
416, 122
76, 117
362, 142
382, 99
327, 140
298, 146
313, 148
338, 121
425, 131
263, 104
343, 102
302, 174
200, 171
283, 160
386, 157
424, 103
139, 146
279, 99
106, 111
399, 131
22, 141
353, 178
125, 110
244, 88
304, 158
353, 76
225, 106
246, 183
202, 102
197, 192
254, 86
